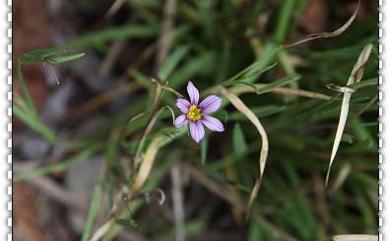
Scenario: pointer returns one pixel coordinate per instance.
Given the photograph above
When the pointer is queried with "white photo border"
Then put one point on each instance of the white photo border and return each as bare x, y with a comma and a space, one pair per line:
6, 119
384, 86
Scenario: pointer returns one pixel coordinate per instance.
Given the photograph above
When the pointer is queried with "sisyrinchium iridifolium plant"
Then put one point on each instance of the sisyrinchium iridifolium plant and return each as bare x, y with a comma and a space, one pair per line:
246, 78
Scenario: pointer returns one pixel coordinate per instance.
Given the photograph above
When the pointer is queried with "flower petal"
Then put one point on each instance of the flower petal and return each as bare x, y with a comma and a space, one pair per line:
193, 93
212, 123
183, 105
180, 121
197, 131
210, 104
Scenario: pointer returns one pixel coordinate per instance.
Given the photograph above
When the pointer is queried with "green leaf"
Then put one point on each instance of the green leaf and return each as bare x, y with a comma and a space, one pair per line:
284, 20
245, 87
40, 55
93, 209
121, 32
65, 58
58, 167
253, 71
195, 66
239, 144
34, 122
255, 230
347, 138
126, 222
365, 83
52, 55
260, 111
171, 62
26, 111
203, 150
26, 98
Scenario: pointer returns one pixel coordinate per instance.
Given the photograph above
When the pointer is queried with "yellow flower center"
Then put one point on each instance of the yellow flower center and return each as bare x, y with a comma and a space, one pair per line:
194, 113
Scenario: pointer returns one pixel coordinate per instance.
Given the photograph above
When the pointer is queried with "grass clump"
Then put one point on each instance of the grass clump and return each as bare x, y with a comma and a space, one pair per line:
280, 120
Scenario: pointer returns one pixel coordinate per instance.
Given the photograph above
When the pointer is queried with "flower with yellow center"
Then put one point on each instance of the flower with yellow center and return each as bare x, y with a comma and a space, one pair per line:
194, 113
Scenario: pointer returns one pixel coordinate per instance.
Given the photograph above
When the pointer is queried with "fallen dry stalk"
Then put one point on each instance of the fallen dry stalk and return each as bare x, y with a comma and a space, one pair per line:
147, 163
178, 203
341, 177
355, 77
115, 7
166, 36
283, 235
224, 192
335, 33
355, 237
106, 97
300, 92
240, 106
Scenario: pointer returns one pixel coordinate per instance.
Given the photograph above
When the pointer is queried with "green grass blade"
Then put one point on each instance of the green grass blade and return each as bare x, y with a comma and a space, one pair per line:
35, 123
239, 144
93, 210
59, 167
66, 58
171, 62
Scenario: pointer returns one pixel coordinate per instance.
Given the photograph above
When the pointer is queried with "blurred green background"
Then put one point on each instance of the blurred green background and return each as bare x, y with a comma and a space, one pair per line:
85, 124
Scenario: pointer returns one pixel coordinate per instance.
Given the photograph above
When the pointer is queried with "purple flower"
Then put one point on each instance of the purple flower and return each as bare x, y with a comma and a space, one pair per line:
196, 115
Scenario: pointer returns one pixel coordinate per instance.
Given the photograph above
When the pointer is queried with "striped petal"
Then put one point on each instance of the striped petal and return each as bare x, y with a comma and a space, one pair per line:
193, 93
197, 131
212, 123
183, 105
210, 104
180, 121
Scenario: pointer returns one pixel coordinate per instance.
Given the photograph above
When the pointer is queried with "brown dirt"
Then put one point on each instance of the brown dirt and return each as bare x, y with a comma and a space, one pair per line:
31, 29
25, 226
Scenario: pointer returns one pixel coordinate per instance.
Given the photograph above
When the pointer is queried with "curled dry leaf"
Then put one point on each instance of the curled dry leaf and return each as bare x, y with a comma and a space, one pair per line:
335, 33
355, 77
140, 179
147, 163
240, 106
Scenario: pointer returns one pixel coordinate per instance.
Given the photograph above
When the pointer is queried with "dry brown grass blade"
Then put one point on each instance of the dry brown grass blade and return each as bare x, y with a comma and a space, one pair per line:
278, 232
240, 106
139, 180
115, 7
238, 90
166, 34
357, 71
137, 117
339, 131
178, 203
301, 92
145, 134
172, 91
341, 177
148, 129
355, 237
147, 163
243, 89
225, 192
367, 105
102, 230
157, 96
355, 76
105, 97
332, 34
